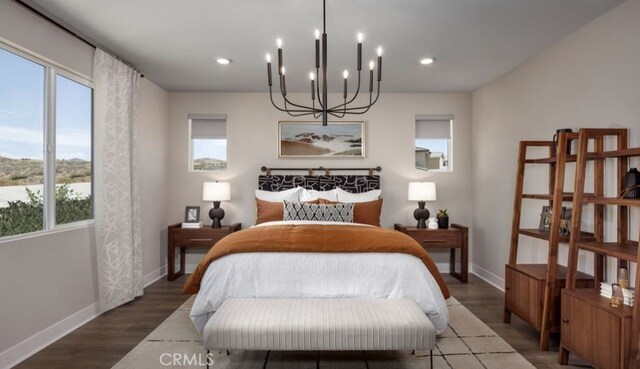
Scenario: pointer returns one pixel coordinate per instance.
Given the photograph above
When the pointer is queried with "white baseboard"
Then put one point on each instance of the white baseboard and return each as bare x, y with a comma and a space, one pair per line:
30, 346
23, 350
488, 277
149, 278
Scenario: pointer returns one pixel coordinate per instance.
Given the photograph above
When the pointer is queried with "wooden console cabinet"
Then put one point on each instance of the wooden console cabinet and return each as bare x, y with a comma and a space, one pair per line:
524, 292
594, 330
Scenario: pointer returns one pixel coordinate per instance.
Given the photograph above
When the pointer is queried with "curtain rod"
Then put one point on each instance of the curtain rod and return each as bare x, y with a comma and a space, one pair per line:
318, 169
72, 33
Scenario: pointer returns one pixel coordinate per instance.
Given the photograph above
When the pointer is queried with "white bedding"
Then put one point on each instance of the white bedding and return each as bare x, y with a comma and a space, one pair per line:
318, 275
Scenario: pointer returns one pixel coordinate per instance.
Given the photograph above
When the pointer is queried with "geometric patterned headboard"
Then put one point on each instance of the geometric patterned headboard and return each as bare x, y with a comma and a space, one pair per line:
349, 183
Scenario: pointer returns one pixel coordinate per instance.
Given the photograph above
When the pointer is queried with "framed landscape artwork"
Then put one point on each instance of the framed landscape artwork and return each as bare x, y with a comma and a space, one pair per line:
312, 140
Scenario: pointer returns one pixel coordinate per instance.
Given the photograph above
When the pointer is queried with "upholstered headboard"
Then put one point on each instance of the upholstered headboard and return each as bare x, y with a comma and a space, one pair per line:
349, 183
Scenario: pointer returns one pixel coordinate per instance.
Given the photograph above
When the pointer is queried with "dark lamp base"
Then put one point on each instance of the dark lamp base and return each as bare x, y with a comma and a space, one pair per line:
421, 214
216, 214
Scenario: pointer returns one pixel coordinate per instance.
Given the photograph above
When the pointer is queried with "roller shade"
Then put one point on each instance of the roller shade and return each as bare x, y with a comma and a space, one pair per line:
208, 126
428, 128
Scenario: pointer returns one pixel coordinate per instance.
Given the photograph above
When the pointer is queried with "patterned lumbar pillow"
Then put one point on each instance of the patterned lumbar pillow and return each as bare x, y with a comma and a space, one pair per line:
326, 213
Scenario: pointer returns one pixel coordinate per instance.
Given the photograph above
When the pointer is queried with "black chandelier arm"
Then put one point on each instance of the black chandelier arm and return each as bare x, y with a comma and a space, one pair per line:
297, 114
314, 114
307, 108
318, 90
306, 111
352, 99
360, 107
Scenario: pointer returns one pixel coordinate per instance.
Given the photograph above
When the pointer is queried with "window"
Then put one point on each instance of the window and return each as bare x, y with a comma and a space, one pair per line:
45, 145
433, 143
207, 142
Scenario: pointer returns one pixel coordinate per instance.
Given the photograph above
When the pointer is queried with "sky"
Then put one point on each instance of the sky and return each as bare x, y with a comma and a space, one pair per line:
22, 112
209, 148
435, 145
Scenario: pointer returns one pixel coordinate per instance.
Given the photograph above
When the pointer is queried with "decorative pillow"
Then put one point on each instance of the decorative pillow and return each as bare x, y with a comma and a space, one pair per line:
344, 196
286, 195
308, 195
327, 213
268, 211
364, 212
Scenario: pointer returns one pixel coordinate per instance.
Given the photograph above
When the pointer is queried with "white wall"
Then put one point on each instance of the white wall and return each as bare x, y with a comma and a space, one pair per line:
589, 79
49, 281
27, 30
252, 143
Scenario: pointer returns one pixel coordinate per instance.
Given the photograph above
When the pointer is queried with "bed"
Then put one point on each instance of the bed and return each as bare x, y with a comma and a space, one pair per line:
317, 259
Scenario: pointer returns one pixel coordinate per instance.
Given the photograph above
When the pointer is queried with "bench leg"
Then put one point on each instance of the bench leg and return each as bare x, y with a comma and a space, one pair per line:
366, 362
208, 359
431, 358
266, 360
228, 353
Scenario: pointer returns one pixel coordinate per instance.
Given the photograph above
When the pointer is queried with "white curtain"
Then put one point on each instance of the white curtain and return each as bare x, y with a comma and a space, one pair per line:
117, 199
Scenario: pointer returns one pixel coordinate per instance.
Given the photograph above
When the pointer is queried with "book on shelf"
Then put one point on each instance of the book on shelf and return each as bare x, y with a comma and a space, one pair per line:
607, 291
192, 225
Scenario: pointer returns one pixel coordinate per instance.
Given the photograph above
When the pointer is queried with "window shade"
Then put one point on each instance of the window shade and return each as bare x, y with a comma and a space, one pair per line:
208, 127
433, 128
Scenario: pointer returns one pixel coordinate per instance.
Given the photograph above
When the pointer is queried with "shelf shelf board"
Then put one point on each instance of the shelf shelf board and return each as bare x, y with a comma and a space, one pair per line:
625, 251
610, 201
566, 196
536, 233
592, 296
539, 271
626, 153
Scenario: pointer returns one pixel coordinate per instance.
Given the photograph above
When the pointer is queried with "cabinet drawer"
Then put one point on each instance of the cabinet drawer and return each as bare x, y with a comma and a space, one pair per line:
437, 238
200, 239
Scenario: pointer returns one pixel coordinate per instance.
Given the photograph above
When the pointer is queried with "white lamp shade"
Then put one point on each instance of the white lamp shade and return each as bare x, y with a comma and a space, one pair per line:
216, 191
422, 191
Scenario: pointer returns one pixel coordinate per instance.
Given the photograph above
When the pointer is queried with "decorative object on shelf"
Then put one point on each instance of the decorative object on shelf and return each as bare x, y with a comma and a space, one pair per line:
433, 223
312, 140
623, 277
192, 214
631, 185
216, 192
422, 192
555, 139
323, 110
443, 219
546, 218
617, 297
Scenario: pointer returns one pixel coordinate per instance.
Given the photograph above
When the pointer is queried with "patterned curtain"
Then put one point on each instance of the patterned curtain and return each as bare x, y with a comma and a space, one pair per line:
117, 199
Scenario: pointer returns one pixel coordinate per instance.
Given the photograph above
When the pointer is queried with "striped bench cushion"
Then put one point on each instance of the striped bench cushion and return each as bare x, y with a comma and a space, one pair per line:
319, 324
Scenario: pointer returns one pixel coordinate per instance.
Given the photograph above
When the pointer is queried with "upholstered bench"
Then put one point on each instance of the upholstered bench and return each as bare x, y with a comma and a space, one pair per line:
319, 325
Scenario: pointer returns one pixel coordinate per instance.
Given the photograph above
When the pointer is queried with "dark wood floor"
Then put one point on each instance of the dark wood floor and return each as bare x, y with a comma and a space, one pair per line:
103, 341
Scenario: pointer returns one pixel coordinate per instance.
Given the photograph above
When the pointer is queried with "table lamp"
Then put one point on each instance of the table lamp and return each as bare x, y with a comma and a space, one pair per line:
216, 192
422, 192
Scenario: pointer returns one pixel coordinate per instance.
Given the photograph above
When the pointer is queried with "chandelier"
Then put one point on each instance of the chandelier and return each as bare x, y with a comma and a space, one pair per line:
322, 108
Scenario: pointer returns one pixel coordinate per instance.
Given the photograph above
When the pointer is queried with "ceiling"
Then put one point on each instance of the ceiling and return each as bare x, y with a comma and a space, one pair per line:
175, 43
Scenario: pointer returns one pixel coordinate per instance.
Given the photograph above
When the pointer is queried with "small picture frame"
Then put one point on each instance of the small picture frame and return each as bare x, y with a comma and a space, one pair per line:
545, 220
192, 214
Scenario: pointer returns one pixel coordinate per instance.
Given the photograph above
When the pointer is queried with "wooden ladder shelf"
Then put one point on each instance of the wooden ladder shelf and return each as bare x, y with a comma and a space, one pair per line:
531, 286
610, 338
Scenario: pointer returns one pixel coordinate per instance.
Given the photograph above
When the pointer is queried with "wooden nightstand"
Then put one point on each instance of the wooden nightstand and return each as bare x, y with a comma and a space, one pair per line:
182, 238
455, 237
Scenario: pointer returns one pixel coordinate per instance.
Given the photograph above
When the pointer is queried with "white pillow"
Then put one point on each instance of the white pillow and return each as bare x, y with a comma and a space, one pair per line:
310, 195
344, 196
292, 195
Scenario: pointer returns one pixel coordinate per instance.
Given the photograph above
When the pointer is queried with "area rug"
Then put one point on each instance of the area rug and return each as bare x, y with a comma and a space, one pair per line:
467, 343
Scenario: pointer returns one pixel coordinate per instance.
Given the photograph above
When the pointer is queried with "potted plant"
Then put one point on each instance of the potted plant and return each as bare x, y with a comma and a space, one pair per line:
443, 219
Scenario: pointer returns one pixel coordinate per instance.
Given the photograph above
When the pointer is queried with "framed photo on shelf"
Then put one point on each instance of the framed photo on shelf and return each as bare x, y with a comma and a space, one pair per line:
192, 214
546, 217
301, 139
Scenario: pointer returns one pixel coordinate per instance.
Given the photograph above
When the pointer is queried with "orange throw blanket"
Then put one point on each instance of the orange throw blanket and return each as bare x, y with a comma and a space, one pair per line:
314, 238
